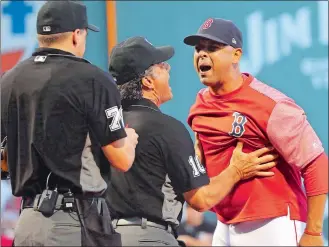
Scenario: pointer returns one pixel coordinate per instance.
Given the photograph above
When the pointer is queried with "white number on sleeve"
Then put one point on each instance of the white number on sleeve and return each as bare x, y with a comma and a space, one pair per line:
116, 115
197, 167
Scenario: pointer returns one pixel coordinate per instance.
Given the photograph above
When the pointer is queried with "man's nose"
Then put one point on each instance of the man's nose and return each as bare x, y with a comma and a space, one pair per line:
202, 54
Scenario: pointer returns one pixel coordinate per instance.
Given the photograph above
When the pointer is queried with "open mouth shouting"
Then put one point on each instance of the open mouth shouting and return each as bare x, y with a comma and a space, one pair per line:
204, 67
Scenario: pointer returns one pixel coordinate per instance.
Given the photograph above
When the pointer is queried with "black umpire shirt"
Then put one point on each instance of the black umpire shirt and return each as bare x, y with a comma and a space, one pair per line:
165, 167
57, 110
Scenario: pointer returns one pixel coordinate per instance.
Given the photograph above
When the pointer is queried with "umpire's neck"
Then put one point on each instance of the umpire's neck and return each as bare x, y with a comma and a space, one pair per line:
152, 96
74, 43
60, 47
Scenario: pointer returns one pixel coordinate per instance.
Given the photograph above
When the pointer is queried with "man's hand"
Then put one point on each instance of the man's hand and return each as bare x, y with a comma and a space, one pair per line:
253, 164
242, 166
132, 136
309, 240
121, 153
315, 212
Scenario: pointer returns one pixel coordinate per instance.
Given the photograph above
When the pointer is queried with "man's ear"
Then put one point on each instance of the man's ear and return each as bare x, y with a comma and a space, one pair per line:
147, 83
75, 35
237, 55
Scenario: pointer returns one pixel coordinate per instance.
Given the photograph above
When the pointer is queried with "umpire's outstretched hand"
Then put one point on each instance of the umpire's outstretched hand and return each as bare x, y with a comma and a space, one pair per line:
257, 163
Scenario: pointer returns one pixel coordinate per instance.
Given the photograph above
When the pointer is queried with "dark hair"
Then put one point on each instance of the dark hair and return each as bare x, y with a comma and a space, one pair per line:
48, 40
131, 90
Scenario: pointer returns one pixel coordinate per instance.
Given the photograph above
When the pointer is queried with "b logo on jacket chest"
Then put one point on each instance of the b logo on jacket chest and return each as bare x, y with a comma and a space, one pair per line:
238, 125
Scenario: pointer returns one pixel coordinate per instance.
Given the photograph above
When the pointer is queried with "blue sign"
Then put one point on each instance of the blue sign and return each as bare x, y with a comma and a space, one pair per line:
18, 31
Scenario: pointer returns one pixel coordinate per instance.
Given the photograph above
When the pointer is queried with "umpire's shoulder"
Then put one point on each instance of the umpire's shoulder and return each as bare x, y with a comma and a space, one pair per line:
175, 127
98, 77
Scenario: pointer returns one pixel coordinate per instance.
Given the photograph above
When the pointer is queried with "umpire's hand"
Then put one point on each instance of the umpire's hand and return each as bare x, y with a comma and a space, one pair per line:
253, 164
132, 136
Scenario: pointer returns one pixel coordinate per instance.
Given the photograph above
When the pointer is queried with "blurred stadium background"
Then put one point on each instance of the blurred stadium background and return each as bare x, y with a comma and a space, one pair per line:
285, 45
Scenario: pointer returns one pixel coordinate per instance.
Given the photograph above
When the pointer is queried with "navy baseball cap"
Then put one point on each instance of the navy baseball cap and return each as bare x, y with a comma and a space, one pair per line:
62, 16
131, 58
218, 30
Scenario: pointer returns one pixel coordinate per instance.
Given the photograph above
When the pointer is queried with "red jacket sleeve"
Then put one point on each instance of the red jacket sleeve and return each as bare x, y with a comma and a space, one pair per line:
315, 176
294, 138
292, 135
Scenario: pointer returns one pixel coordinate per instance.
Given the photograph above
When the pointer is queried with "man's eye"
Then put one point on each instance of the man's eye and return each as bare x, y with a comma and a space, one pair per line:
207, 48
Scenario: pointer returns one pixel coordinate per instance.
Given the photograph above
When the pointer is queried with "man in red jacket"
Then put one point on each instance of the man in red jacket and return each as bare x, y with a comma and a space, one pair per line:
237, 107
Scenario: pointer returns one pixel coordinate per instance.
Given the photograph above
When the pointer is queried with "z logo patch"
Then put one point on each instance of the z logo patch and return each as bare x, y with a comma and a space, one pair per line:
238, 125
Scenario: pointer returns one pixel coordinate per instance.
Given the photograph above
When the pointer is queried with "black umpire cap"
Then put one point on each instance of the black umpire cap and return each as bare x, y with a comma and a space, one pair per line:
62, 16
218, 30
132, 57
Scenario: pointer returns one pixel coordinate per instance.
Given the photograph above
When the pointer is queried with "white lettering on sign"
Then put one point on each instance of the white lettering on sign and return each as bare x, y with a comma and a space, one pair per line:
271, 40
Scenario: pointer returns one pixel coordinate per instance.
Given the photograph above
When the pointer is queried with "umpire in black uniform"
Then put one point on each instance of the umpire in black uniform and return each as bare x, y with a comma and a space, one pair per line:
63, 120
146, 202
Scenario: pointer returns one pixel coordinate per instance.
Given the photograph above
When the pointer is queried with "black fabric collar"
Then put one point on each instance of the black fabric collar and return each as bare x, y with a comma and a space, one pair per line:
146, 103
46, 51
51, 52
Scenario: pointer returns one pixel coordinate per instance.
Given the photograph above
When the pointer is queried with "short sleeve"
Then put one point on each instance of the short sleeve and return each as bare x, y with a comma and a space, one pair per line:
292, 135
184, 168
104, 111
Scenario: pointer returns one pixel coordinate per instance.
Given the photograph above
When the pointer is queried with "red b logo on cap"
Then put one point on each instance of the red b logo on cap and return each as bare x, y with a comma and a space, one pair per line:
207, 23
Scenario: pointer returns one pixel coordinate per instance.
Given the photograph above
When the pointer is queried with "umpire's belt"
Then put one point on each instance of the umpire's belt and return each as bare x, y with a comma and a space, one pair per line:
33, 202
143, 222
